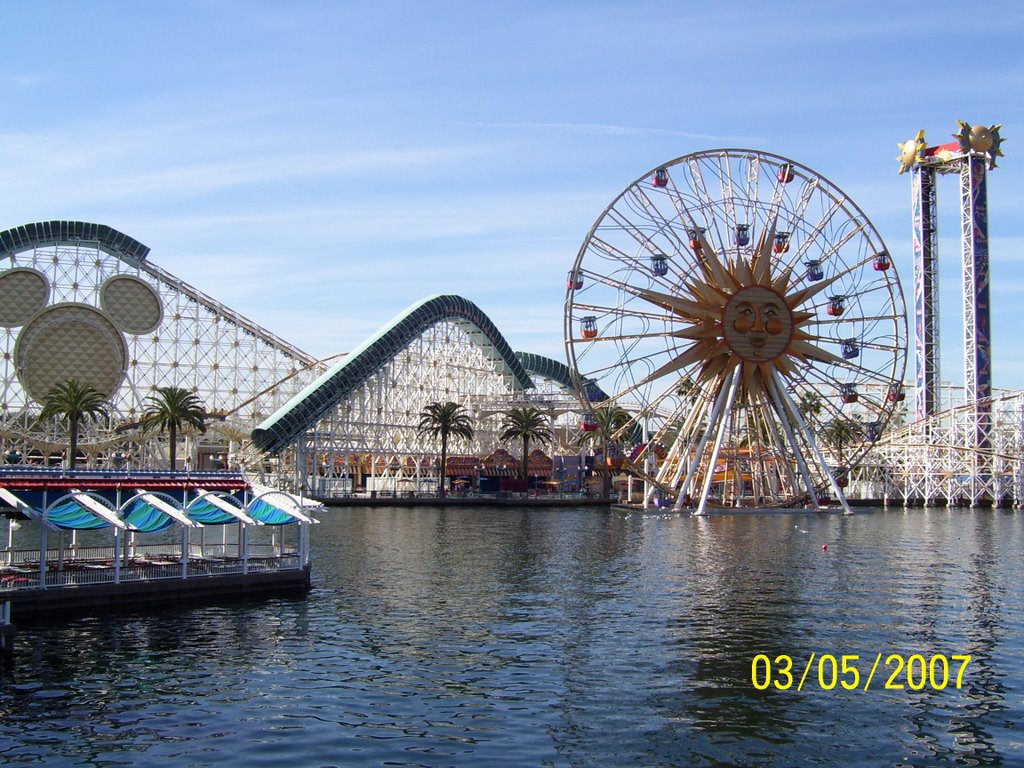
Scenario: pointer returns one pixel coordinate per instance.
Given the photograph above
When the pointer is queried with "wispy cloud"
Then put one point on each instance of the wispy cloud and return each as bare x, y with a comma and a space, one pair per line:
604, 129
69, 170
21, 80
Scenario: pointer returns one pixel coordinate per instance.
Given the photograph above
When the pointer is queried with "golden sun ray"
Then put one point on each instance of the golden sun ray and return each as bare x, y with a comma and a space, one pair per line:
740, 314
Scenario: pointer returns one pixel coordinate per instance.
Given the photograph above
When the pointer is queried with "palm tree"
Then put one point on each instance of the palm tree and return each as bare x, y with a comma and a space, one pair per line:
170, 409
445, 420
839, 432
526, 424
73, 402
810, 406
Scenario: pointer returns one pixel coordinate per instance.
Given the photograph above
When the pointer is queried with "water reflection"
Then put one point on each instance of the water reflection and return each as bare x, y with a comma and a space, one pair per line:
564, 638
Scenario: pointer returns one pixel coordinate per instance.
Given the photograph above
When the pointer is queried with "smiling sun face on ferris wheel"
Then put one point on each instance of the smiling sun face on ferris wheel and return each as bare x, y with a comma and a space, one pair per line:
738, 313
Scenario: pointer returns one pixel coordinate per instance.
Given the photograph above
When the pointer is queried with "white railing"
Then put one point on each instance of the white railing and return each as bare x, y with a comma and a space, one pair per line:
78, 572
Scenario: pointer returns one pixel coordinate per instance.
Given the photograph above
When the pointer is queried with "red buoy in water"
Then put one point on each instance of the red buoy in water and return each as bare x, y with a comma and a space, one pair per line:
824, 547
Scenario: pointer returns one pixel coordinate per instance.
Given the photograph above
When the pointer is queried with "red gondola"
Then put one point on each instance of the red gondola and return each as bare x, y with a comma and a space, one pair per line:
588, 327
781, 242
896, 394
695, 238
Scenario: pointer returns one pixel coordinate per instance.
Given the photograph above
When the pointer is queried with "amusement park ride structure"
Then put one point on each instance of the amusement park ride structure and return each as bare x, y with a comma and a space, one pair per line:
715, 299
734, 302
967, 452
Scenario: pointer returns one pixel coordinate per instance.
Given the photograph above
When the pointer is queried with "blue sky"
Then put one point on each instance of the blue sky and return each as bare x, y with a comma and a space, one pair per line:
320, 166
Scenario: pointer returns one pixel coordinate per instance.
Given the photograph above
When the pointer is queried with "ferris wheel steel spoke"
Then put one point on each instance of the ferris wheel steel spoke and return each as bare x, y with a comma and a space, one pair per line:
642, 238
722, 426
816, 232
621, 313
753, 186
786, 420
610, 338
803, 200
700, 189
608, 280
638, 200
826, 256
728, 191
698, 454
663, 227
809, 437
720, 169
601, 247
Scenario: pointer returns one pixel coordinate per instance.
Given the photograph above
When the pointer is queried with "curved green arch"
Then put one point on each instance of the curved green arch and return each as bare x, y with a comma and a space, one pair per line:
559, 373
42, 233
306, 408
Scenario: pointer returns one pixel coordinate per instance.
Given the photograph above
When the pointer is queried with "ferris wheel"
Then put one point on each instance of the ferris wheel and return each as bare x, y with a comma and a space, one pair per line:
746, 312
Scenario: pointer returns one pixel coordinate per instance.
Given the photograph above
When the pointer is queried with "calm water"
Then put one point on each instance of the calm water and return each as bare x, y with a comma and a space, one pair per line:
556, 638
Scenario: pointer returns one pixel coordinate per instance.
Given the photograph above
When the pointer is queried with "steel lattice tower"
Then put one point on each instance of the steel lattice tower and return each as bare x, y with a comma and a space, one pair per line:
926, 291
970, 157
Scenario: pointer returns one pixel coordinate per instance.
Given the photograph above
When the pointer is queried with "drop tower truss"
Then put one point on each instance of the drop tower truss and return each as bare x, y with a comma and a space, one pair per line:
926, 291
81, 300
970, 158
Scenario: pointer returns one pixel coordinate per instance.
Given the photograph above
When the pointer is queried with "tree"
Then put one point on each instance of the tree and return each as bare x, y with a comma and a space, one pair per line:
73, 402
839, 432
171, 409
526, 424
809, 405
445, 420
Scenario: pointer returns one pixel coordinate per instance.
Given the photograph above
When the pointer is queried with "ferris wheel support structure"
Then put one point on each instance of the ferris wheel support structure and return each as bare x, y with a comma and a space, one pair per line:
713, 295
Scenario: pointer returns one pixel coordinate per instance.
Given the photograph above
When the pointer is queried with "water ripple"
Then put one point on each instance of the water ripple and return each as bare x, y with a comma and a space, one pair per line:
553, 638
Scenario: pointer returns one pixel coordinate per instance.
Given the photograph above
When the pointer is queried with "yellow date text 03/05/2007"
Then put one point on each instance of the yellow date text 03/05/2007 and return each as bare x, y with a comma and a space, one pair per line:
827, 671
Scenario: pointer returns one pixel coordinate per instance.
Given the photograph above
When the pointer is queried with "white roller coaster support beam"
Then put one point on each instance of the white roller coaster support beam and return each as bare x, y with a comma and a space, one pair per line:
809, 437
709, 476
